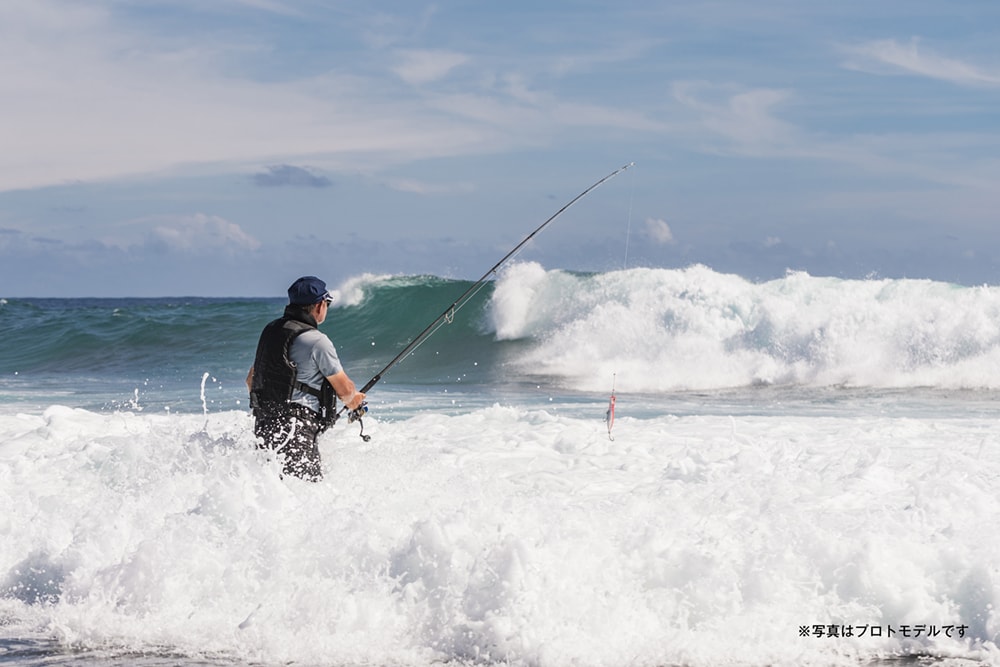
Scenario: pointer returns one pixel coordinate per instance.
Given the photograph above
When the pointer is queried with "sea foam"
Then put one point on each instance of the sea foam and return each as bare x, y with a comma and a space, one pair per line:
506, 536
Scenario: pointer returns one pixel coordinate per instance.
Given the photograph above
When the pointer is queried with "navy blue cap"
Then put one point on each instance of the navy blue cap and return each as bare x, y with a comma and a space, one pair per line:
308, 290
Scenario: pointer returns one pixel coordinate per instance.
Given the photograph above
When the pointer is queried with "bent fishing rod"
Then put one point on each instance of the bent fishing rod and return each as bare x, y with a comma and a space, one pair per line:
449, 313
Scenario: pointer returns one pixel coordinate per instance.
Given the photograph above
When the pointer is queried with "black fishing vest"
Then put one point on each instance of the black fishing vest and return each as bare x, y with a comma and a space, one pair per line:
274, 372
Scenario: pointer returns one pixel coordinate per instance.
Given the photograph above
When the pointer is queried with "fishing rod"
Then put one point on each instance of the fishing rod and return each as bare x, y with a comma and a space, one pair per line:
449, 313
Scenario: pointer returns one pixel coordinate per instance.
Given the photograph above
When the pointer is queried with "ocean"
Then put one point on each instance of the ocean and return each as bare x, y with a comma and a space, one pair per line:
801, 471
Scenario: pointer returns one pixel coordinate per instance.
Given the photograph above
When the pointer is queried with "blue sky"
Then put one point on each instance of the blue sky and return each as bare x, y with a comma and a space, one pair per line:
164, 148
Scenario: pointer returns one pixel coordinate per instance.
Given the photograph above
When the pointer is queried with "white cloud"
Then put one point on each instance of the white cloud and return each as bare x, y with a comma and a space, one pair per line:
659, 231
280, 175
746, 117
423, 188
887, 56
88, 98
425, 66
203, 233
92, 94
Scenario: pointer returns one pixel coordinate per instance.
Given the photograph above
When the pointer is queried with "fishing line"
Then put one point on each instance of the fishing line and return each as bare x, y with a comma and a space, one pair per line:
609, 415
449, 313
628, 225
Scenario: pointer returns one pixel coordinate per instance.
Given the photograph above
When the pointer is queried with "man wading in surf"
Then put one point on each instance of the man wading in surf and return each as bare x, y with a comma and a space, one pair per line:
295, 379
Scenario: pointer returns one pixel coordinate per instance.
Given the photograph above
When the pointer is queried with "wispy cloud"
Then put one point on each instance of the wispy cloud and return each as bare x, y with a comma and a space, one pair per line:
289, 175
888, 56
273, 6
424, 188
747, 117
89, 96
419, 67
619, 53
92, 93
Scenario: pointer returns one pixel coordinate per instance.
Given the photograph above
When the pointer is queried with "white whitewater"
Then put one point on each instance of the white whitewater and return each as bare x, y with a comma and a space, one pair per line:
514, 536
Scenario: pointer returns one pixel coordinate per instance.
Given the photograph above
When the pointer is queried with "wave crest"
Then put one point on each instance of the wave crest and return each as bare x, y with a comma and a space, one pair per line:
694, 328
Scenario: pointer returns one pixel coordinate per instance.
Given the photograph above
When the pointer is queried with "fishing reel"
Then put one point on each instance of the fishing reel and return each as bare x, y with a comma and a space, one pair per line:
356, 415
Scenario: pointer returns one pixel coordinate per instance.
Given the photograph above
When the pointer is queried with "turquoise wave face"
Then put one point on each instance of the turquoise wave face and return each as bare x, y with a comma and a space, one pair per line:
111, 352
134, 336
394, 312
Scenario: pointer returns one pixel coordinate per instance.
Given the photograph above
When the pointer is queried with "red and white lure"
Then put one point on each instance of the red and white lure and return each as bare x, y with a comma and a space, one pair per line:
609, 416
